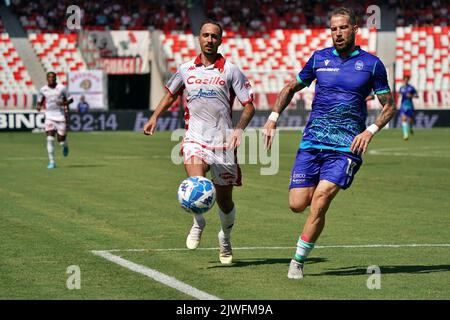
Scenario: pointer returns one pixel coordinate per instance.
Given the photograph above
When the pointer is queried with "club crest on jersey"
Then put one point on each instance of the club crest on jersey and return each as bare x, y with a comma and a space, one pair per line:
359, 65
218, 81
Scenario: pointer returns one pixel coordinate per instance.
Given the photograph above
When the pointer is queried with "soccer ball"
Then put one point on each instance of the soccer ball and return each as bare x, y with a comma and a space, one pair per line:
196, 194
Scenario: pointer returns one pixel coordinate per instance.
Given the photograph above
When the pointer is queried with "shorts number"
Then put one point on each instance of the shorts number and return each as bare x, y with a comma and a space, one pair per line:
350, 167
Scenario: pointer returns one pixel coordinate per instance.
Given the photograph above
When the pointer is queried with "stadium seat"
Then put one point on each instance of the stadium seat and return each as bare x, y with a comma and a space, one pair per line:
58, 52
14, 78
422, 52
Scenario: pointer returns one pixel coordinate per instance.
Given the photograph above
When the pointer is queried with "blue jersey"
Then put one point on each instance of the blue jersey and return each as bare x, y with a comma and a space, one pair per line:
83, 107
407, 103
339, 107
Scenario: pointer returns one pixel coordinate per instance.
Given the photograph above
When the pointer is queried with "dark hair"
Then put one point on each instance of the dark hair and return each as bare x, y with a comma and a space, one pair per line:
343, 11
51, 72
214, 23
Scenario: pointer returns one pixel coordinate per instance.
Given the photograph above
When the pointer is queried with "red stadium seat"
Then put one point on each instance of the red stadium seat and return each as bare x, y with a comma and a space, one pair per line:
58, 52
422, 59
14, 77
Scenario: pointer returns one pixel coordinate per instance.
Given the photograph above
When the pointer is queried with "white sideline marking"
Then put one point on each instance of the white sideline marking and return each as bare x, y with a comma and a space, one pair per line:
156, 275
402, 152
282, 248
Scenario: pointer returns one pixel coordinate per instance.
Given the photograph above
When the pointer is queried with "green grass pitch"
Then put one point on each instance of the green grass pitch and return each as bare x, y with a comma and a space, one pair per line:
118, 191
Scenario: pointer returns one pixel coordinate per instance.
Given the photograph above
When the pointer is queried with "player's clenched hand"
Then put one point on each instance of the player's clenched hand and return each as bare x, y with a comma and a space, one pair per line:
269, 133
361, 142
235, 139
150, 126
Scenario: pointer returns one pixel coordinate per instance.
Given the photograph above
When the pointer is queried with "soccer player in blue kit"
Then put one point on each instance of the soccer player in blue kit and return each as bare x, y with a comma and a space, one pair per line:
335, 136
407, 107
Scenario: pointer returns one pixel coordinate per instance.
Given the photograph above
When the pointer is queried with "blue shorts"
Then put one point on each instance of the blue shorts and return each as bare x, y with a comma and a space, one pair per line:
313, 165
407, 112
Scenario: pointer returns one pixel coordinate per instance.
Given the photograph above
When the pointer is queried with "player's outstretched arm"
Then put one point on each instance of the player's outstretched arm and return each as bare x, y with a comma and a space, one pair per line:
246, 116
283, 100
164, 104
65, 102
40, 101
362, 140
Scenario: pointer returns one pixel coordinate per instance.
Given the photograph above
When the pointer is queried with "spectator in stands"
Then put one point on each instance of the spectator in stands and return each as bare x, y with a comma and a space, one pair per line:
255, 24
41, 22
126, 20
101, 19
83, 106
102, 14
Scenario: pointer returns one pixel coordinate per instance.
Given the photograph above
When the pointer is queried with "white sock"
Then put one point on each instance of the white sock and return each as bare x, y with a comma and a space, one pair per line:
199, 221
51, 149
227, 221
63, 143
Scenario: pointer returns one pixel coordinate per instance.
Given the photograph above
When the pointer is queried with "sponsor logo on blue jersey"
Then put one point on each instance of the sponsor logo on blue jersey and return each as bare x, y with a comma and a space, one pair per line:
359, 65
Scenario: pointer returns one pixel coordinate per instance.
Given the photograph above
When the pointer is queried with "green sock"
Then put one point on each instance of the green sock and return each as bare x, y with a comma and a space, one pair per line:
405, 128
303, 250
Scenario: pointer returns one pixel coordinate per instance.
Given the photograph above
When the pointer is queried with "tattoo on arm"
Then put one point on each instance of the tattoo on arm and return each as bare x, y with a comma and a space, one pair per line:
246, 116
286, 95
388, 111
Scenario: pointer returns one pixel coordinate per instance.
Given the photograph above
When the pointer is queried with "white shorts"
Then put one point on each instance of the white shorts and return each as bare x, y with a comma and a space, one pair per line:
59, 126
225, 170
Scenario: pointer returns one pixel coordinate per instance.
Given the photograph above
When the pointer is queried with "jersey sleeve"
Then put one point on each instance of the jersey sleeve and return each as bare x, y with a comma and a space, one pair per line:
380, 82
307, 74
175, 85
40, 97
241, 86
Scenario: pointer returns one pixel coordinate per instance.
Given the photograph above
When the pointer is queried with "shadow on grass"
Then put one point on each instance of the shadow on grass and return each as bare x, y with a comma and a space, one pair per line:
358, 270
262, 261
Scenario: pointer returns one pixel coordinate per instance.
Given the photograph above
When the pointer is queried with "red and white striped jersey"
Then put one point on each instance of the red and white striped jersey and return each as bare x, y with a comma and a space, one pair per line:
210, 92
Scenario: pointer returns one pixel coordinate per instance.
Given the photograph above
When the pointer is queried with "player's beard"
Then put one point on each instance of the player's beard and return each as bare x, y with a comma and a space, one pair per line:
210, 51
348, 44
